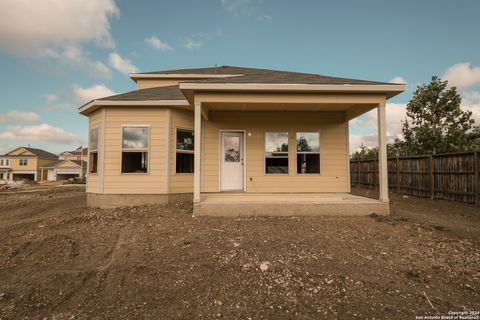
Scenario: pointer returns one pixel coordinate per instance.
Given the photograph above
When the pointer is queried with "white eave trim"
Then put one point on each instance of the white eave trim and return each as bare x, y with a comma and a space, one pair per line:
106, 103
180, 75
293, 87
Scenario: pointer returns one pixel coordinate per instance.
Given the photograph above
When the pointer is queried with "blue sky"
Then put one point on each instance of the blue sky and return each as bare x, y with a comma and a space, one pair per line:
55, 54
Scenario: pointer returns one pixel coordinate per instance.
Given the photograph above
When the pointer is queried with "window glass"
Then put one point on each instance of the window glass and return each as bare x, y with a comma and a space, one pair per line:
276, 152
135, 138
185, 140
93, 162
232, 149
308, 152
308, 142
276, 142
134, 162
184, 162
93, 139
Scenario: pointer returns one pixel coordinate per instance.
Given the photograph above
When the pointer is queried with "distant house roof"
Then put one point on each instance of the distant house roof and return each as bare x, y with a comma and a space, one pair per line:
38, 152
55, 163
73, 152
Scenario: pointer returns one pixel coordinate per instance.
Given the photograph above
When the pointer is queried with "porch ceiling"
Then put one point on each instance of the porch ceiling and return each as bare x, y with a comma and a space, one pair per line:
331, 107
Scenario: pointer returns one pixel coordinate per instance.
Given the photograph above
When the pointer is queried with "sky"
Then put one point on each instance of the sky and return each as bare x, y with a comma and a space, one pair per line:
56, 55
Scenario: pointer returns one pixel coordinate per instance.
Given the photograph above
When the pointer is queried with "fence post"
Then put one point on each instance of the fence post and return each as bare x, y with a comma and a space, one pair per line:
476, 183
397, 176
432, 177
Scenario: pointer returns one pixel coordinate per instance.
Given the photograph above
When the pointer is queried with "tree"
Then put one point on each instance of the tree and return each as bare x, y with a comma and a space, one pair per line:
302, 145
435, 123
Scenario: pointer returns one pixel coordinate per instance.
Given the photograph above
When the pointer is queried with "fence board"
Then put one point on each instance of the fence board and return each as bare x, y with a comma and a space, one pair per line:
446, 176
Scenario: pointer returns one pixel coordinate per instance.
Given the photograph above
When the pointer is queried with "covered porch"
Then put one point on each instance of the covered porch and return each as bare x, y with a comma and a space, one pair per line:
256, 114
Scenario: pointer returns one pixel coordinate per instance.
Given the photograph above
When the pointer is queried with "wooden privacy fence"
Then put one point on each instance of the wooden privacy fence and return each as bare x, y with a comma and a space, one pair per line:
453, 176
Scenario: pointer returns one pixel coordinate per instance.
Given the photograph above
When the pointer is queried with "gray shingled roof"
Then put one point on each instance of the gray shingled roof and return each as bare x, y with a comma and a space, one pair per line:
41, 153
157, 93
253, 75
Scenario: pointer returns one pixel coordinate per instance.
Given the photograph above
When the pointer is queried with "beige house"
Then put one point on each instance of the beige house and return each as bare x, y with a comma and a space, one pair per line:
235, 141
24, 163
61, 170
74, 155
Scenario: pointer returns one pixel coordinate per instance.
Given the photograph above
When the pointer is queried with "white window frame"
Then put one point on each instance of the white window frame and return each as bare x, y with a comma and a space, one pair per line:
147, 150
90, 150
306, 152
281, 157
23, 162
183, 151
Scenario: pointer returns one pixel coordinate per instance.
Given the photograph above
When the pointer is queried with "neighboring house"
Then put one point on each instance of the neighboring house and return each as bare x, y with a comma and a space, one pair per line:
74, 155
60, 170
235, 140
24, 163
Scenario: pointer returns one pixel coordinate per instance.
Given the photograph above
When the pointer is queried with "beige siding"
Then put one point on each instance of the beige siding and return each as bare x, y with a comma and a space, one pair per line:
182, 182
154, 181
333, 158
93, 179
68, 164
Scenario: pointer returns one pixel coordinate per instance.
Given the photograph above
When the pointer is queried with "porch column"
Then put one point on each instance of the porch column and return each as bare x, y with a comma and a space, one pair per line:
382, 153
197, 152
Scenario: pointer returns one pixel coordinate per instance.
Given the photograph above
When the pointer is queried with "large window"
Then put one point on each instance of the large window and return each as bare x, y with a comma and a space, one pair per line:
276, 152
184, 151
23, 162
135, 150
308, 152
93, 150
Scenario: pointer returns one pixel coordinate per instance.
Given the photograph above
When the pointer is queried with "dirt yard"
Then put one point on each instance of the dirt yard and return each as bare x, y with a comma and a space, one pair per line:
60, 260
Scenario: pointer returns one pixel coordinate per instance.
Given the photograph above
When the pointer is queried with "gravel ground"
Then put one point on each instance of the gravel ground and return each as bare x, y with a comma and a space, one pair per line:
61, 260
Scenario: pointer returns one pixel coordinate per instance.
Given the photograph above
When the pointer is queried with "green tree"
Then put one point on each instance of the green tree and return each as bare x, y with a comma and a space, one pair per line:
435, 123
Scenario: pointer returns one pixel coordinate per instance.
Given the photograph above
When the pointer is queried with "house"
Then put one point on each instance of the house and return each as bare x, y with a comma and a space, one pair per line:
74, 155
24, 163
60, 170
235, 140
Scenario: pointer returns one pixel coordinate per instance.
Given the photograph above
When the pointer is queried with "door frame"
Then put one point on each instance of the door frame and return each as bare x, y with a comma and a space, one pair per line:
220, 146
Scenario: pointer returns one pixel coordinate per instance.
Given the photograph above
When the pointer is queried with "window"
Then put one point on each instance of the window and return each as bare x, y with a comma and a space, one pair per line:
23, 162
184, 154
7, 162
1, 162
93, 150
276, 152
134, 150
308, 152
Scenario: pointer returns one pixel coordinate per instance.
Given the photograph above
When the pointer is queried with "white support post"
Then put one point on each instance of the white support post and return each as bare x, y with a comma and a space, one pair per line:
197, 152
382, 153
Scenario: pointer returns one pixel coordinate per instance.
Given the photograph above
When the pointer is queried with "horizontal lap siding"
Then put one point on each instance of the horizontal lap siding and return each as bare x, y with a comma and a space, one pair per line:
154, 181
333, 151
179, 183
93, 180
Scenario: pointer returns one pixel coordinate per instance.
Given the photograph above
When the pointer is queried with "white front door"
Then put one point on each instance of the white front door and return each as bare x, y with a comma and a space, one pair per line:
232, 167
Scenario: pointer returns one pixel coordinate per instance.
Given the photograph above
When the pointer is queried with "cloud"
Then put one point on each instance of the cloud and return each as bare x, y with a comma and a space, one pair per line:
399, 80
83, 95
192, 44
238, 7
156, 43
196, 40
462, 75
30, 28
122, 65
39, 133
50, 97
265, 18
471, 101
24, 116
395, 114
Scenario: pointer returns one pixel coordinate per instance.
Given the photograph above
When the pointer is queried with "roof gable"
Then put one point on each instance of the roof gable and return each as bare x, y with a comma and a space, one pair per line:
31, 152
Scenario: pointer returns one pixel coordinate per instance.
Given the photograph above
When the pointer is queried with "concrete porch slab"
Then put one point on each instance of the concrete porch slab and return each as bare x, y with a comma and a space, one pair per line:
319, 204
